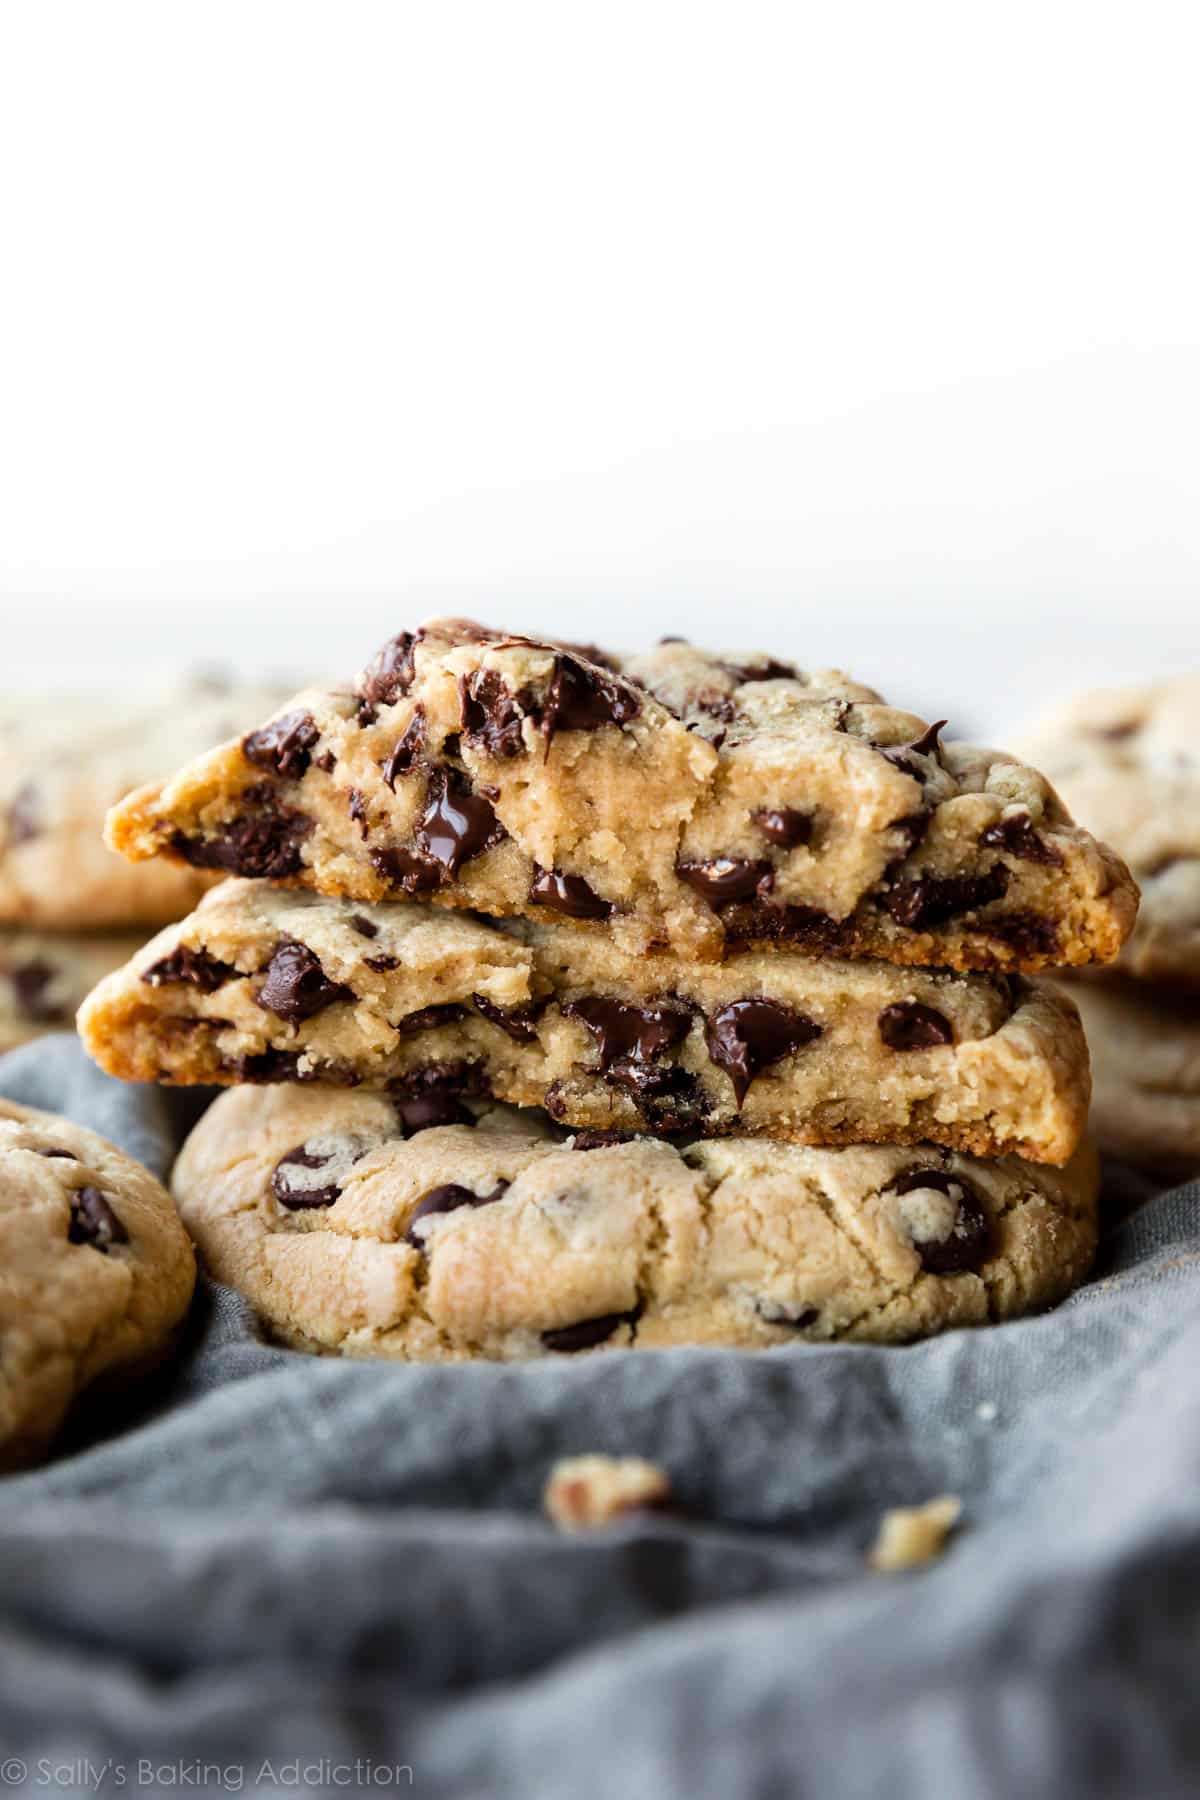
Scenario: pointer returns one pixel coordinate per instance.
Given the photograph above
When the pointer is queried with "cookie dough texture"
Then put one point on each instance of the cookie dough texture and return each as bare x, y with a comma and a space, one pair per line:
269, 984
1127, 762
1145, 1050
95, 1271
46, 976
64, 761
499, 1240
687, 799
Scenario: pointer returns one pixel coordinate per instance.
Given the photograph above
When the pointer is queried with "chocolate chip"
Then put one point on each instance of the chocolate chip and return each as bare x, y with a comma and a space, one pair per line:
1124, 728
406, 749
932, 899
518, 1021
266, 1066
447, 1198
264, 844
771, 1314
767, 670
390, 672
928, 744
668, 1097
747, 1035
285, 745
297, 986
94, 1222
724, 879
803, 926
624, 1031
407, 869
30, 982
1016, 835
326, 761
381, 964
907, 1025
587, 1333
785, 825
600, 1140
569, 894
456, 823
493, 717
433, 1095
358, 812
24, 815
718, 706
365, 927
427, 1017
289, 1186
966, 1242
195, 968
583, 698
1030, 936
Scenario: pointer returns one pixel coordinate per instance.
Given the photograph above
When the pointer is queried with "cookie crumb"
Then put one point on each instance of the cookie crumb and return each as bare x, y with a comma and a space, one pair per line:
912, 1535
586, 1491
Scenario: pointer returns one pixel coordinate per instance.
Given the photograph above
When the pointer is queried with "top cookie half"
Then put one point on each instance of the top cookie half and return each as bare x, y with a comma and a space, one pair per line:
691, 800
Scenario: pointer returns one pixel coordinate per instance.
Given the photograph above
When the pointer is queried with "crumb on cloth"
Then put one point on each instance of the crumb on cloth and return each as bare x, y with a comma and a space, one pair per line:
586, 1491
911, 1535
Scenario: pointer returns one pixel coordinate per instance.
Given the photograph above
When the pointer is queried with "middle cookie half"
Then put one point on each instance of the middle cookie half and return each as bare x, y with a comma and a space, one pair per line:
263, 984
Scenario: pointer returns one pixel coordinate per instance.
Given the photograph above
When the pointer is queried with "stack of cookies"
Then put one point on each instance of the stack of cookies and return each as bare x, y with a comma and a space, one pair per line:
572, 1000
1128, 761
70, 910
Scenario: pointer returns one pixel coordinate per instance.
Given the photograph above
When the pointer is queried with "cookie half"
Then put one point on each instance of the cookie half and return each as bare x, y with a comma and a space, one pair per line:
1146, 1063
97, 1271
266, 984
699, 801
499, 1239
45, 977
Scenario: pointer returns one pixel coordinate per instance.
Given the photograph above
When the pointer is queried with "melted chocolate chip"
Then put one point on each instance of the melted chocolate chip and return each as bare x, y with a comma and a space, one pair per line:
358, 812
264, 844
718, 706
1030, 936
724, 879
293, 1191
407, 748
623, 1031
747, 1035
969, 1239
297, 986
907, 1025
583, 698
407, 869
785, 825
389, 673
669, 1098
928, 744
284, 746
284, 1065
587, 1333
426, 1017
365, 927
456, 823
932, 899
1016, 835
30, 982
767, 670
94, 1222
569, 894
493, 716
196, 968
600, 1140
24, 815
805, 926
447, 1198
434, 1095
520, 1022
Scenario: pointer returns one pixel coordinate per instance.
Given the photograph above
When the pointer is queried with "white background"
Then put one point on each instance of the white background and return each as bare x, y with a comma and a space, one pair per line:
866, 333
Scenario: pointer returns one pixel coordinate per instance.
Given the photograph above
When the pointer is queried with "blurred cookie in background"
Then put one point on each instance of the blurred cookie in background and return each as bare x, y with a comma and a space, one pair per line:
45, 977
1127, 764
1145, 1048
64, 760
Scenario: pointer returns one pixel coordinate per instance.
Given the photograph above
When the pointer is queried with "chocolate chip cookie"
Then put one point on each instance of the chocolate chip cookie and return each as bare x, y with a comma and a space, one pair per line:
499, 1239
45, 977
64, 760
1145, 1049
685, 799
1127, 761
270, 984
97, 1271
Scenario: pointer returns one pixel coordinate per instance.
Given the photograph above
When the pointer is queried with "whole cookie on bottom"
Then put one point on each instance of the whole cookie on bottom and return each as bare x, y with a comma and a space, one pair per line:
505, 1238
1146, 1074
97, 1270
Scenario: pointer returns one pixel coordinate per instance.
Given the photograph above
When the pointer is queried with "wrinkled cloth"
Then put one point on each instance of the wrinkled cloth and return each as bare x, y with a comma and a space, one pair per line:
278, 1566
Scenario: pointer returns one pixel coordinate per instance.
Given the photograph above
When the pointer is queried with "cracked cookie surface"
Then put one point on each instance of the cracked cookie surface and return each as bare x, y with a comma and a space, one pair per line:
1127, 762
701, 801
45, 976
501, 1239
65, 759
268, 984
97, 1271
